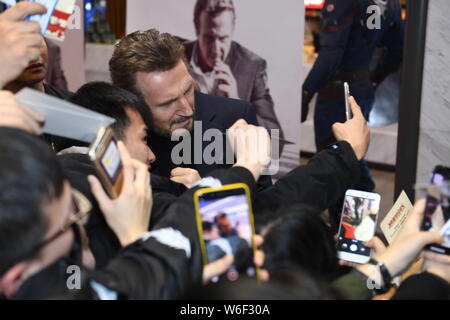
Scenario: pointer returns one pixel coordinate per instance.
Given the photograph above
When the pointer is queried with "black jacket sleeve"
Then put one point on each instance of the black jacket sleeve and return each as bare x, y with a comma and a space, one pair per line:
423, 286
320, 183
169, 261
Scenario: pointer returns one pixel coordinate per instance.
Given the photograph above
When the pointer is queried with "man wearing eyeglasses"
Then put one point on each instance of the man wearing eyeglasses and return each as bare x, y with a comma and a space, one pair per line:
41, 217
42, 236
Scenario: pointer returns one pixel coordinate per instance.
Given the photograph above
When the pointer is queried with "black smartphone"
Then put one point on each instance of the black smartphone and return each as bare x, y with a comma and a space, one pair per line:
437, 208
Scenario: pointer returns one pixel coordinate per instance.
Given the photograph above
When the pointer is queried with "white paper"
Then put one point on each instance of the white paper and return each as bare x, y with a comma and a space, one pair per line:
395, 218
63, 118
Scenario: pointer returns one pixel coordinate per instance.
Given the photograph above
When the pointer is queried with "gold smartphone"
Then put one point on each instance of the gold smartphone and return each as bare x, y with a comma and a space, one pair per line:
105, 155
226, 226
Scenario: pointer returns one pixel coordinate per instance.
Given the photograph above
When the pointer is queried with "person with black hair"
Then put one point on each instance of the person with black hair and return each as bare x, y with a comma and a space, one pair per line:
300, 237
18, 47
133, 125
216, 246
128, 111
133, 119
37, 235
21, 40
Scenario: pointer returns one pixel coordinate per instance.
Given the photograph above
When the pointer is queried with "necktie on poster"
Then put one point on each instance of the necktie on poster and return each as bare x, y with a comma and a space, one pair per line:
63, 118
55, 21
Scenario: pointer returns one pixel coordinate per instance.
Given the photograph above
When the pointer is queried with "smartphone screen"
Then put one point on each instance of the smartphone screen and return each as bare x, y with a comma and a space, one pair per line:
358, 222
437, 208
227, 228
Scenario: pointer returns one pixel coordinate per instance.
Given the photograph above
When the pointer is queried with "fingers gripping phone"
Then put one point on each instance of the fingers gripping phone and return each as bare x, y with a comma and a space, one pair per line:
105, 155
226, 226
358, 222
348, 110
437, 208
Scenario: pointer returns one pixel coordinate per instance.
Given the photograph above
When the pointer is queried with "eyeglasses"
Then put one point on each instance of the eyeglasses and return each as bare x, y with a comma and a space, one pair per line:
81, 207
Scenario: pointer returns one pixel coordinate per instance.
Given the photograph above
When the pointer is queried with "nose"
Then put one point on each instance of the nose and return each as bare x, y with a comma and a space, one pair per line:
185, 108
150, 156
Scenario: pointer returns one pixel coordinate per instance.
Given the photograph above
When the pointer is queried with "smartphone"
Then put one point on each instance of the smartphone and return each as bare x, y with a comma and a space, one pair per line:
105, 155
226, 226
348, 110
358, 221
437, 208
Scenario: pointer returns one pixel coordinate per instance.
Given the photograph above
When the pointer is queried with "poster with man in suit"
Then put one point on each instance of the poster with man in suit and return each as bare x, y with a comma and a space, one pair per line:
226, 68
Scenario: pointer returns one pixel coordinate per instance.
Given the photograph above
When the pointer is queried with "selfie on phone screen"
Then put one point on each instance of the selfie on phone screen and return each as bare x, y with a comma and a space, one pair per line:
437, 208
359, 218
226, 225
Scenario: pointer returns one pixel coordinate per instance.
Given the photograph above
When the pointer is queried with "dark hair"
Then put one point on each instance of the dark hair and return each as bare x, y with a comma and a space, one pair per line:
290, 284
220, 216
302, 238
145, 51
112, 101
29, 175
207, 226
213, 8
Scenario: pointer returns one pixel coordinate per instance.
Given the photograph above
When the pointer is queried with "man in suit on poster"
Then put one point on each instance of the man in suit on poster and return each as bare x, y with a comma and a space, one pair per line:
225, 68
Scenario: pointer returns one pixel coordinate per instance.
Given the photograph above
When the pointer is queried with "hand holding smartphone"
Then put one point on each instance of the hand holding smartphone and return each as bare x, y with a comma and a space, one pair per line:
437, 208
358, 221
226, 227
105, 155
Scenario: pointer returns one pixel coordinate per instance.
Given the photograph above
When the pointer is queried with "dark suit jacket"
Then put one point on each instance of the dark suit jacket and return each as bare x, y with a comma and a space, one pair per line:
250, 72
214, 113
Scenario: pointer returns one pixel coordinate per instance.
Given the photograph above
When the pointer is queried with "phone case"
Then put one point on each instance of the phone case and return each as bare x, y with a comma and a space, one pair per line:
202, 191
96, 151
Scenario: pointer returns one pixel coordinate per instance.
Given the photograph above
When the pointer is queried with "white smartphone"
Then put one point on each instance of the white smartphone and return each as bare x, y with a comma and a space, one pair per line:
348, 110
358, 221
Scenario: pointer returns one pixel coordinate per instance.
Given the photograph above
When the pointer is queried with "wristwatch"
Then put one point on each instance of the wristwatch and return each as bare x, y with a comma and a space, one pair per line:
385, 275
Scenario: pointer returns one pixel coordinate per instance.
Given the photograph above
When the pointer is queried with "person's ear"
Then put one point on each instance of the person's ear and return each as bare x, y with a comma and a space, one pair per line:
12, 279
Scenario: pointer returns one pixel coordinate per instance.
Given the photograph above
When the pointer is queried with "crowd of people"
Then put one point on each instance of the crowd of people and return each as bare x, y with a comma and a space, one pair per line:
55, 214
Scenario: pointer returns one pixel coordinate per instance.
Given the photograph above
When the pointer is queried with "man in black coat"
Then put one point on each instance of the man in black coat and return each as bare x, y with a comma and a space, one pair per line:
153, 66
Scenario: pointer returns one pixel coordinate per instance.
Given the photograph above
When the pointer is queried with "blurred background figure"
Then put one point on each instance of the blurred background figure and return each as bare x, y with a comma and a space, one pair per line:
350, 33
